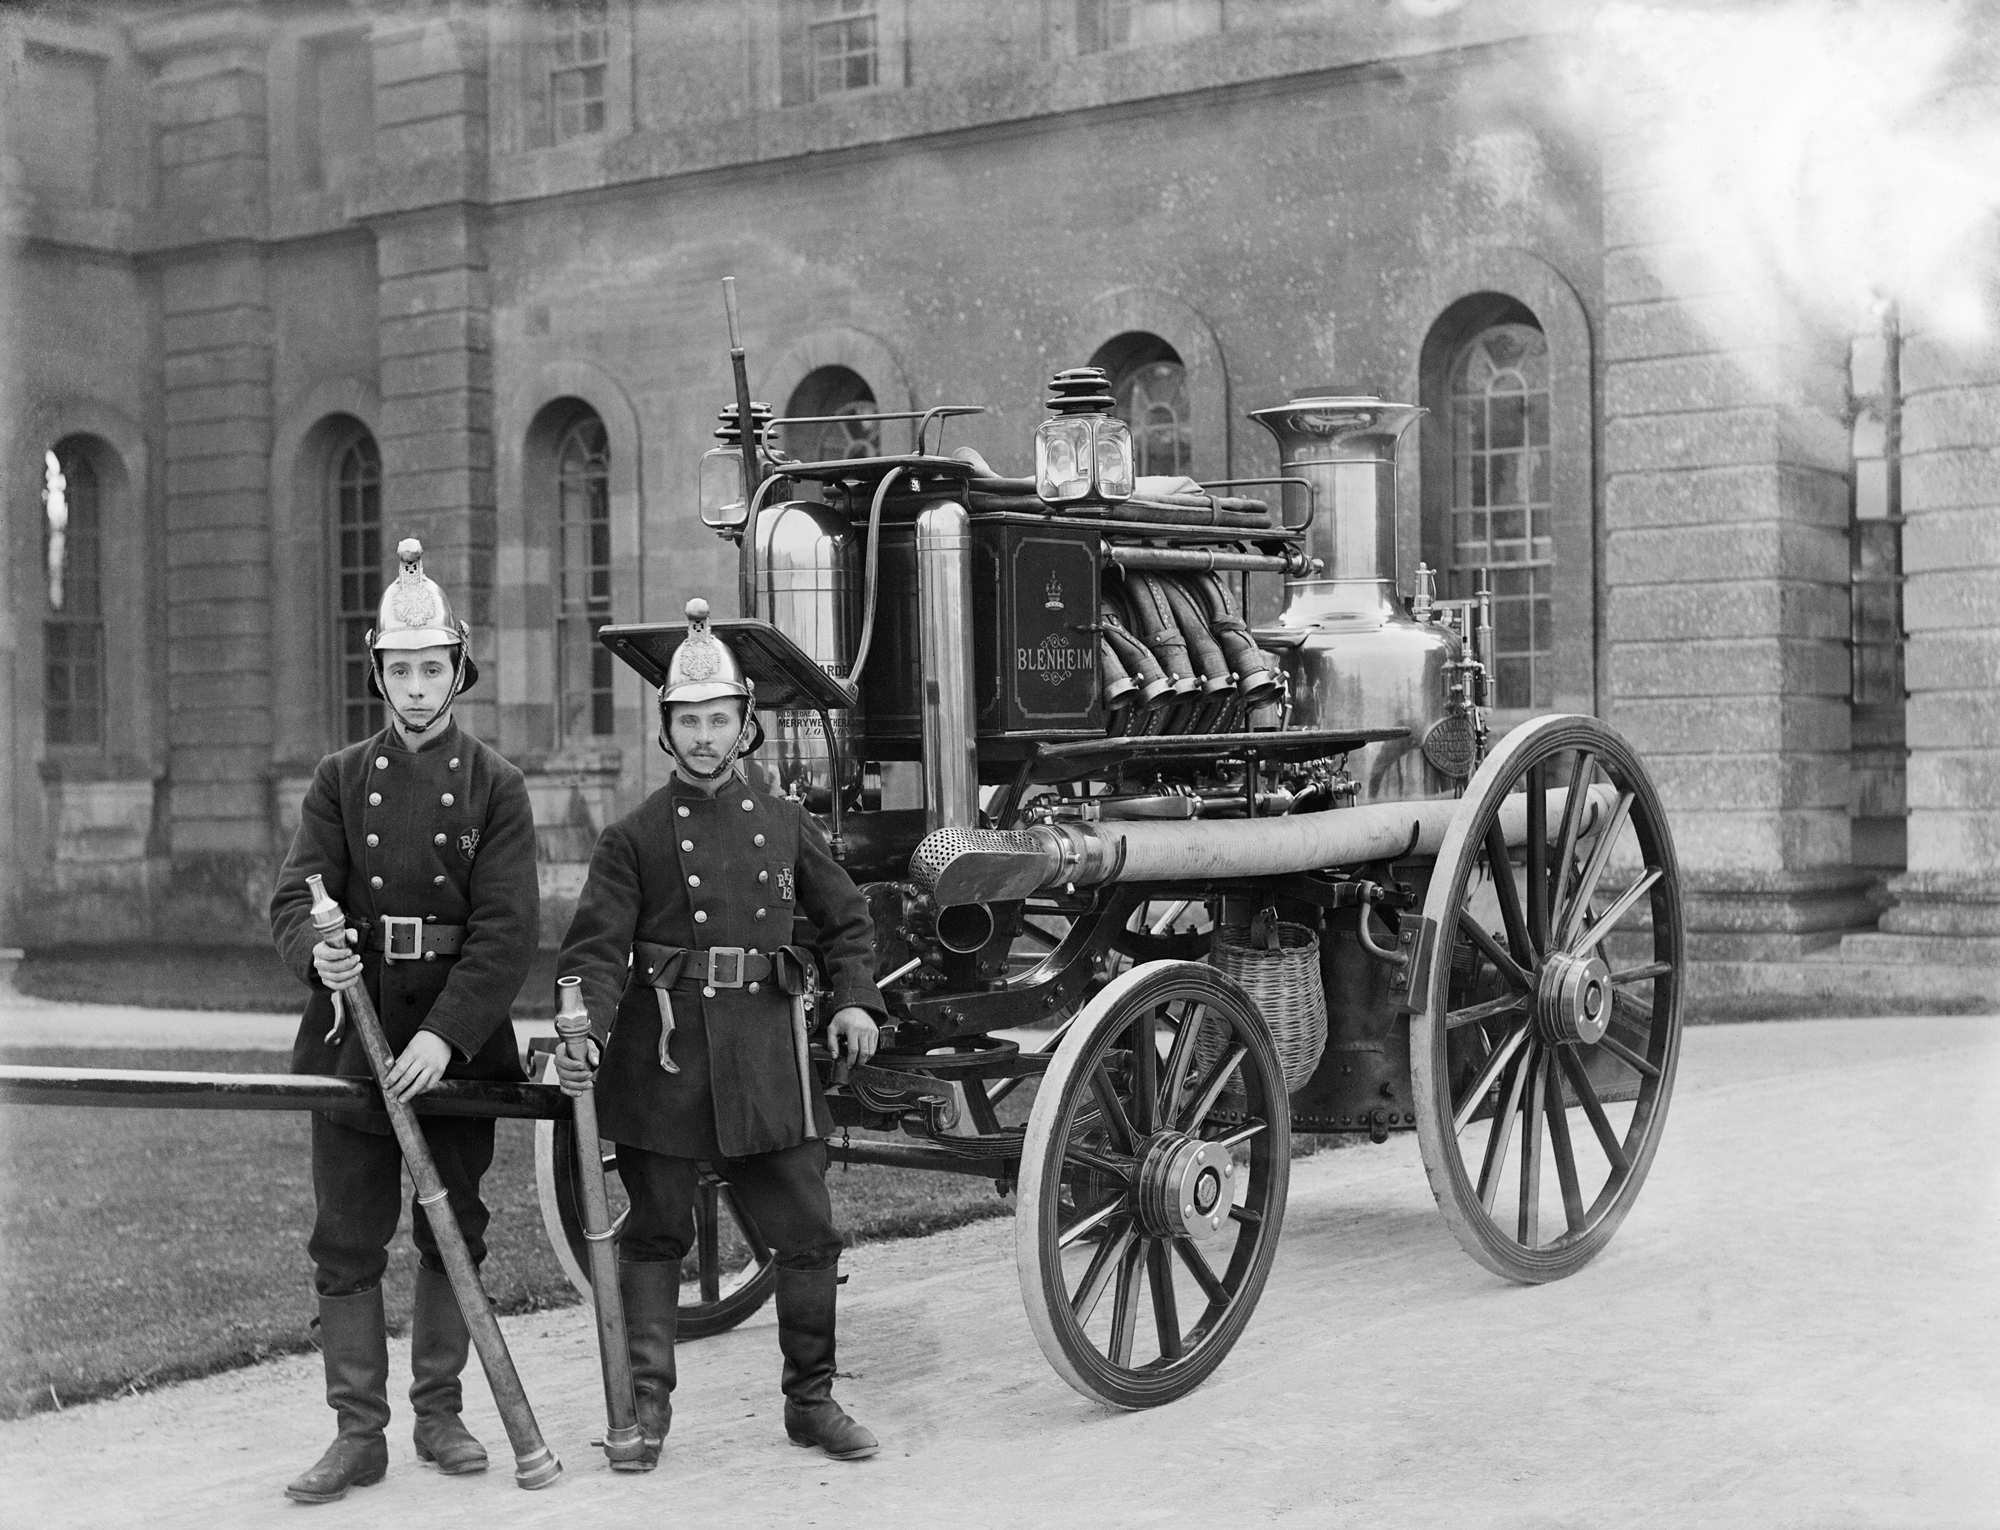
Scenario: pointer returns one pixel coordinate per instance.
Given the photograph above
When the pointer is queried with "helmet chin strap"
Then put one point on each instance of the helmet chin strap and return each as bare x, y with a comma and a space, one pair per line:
444, 711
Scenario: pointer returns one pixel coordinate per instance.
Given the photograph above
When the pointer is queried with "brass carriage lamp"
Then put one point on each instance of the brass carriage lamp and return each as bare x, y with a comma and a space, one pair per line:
1083, 452
719, 480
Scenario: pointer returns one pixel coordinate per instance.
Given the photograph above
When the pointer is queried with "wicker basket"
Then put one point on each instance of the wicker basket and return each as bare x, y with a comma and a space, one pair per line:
1281, 973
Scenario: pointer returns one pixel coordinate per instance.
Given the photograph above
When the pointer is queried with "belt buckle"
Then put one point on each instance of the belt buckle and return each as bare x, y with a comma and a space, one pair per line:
402, 937
734, 955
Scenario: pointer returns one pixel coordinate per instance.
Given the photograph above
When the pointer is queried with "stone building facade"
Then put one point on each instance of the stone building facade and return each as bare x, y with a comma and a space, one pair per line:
288, 281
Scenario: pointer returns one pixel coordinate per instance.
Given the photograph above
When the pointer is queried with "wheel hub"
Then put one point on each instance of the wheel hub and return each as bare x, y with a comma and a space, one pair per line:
1573, 999
1186, 1187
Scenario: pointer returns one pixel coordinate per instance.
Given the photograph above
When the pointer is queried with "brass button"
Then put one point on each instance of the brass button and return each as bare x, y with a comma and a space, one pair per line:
708, 993
430, 956
376, 883
682, 811
447, 799
701, 916
760, 913
452, 764
758, 841
763, 876
437, 839
749, 806
381, 762
694, 881
374, 799
374, 840
754, 987
687, 844
437, 881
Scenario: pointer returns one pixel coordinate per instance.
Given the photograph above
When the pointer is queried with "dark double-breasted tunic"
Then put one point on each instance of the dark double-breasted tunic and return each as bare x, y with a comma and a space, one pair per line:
688, 871
444, 834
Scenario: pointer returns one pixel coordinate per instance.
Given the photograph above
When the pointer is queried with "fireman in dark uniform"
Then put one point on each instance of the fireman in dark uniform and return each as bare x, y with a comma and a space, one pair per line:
425, 837
703, 1034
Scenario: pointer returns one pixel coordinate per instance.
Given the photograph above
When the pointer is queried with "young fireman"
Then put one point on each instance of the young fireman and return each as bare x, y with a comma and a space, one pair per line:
424, 835
698, 889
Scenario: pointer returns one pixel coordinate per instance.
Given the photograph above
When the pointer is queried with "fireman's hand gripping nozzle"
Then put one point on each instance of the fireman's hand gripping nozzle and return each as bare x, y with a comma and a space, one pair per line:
535, 1465
624, 1441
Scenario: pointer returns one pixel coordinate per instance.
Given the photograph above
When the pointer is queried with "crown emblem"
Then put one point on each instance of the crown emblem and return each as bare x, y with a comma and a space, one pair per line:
1054, 600
412, 602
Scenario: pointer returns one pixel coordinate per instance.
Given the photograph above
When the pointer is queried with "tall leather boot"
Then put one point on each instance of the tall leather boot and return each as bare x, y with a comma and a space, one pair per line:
439, 1341
354, 1344
806, 1300
652, 1293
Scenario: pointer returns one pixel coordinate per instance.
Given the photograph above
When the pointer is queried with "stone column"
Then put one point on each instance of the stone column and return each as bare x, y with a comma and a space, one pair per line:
1951, 612
1726, 508
210, 109
426, 206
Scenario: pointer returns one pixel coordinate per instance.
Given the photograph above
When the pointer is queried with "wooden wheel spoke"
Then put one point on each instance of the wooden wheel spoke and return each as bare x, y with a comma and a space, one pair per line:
1559, 1146
1603, 927
1502, 1055
1501, 868
1191, 1256
1510, 969
1574, 804
1209, 1090
1090, 1220
1166, 1311
1570, 922
1125, 1304
1641, 974
1245, 1216
1145, 1075
1120, 1169
1502, 1131
1241, 1135
708, 1243
1112, 1110
1180, 1056
1491, 1009
1618, 1049
1528, 1222
1593, 1109
1103, 1264
1538, 857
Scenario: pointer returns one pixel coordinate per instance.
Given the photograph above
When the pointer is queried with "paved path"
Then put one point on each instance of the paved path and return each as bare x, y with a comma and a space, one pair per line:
26, 1021
1798, 1326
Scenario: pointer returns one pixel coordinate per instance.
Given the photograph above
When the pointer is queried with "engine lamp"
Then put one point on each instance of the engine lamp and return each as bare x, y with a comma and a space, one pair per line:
1083, 452
719, 479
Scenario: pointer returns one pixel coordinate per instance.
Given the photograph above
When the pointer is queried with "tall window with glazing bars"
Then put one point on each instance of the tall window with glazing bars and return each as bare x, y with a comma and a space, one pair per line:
1502, 510
73, 620
579, 45
583, 581
843, 42
355, 487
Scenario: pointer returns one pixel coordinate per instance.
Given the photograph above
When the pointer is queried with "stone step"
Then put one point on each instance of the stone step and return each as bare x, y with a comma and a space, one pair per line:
1818, 986
1947, 950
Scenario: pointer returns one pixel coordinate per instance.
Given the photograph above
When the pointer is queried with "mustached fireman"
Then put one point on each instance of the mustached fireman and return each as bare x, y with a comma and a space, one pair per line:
425, 838
683, 938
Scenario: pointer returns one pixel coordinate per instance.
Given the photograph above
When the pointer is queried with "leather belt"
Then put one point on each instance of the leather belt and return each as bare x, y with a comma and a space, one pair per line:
410, 938
723, 967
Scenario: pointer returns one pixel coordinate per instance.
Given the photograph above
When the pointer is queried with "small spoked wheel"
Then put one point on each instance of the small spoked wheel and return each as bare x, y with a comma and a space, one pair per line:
728, 1274
1152, 1185
1544, 1044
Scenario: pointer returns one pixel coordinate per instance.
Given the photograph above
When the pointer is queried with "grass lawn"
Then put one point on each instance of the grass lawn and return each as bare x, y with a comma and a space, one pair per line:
145, 1246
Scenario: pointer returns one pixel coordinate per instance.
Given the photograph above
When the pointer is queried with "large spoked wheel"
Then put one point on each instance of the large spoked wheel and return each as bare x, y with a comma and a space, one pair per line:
728, 1274
1543, 1054
1153, 1176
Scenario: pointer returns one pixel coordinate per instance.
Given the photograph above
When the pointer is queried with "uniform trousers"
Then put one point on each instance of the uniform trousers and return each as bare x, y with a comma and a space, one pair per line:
358, 1183
784, 1193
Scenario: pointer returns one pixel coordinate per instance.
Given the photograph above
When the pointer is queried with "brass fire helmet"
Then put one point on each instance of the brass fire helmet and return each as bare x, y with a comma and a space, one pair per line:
415, 613
704, 669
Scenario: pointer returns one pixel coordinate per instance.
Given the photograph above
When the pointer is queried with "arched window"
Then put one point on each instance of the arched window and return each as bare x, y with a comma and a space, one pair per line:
73, 618
1502, 506
838, 392
354, 511
583, 580
1150, 384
